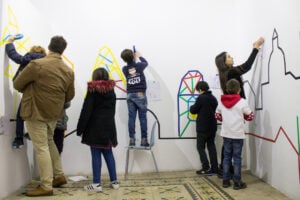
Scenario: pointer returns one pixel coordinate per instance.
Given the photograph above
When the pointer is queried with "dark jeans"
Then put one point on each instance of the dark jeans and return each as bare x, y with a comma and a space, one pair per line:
222, 158
97, 163
207, 139
19, 124
58, 137
232, 149
137, 102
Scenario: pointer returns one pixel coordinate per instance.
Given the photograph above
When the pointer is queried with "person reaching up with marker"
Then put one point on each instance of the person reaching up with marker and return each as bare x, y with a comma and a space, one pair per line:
34, 53
227, 71
136, 93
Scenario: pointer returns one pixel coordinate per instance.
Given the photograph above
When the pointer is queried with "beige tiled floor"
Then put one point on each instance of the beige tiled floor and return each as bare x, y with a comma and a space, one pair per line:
256, 189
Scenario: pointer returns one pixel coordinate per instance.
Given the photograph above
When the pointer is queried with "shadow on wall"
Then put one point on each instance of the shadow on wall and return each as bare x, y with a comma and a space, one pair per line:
265, 150
164, 109
260, 150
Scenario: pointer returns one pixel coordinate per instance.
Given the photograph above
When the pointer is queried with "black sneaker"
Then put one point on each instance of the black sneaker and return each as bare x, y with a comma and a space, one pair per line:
131, 142
144, 142
206, 172
226, 183
18, 143
239, 185
211, 172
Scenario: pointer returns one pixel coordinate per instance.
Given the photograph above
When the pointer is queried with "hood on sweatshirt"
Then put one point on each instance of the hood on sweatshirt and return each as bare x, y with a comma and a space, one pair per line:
101, 86
229, 100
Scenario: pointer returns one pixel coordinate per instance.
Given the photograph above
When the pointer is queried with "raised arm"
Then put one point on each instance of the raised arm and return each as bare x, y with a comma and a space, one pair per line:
245, 67
11, 51
143, 62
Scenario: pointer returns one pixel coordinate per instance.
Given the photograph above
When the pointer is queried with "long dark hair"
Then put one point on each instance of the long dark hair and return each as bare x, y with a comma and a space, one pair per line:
223, 70
100, 74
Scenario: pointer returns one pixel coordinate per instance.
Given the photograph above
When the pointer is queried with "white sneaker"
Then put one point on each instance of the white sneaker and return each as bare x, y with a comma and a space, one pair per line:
93, 187
115, 185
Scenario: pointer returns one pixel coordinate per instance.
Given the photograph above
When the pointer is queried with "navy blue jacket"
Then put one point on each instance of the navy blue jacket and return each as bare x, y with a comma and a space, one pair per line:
134, 73
19, 59
205, 108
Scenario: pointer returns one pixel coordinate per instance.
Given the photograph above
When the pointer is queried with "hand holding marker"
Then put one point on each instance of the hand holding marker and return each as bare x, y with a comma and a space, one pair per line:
16, 37
134, 49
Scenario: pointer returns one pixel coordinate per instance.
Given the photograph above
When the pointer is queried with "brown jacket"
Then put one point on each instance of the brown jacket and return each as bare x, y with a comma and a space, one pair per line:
46, 84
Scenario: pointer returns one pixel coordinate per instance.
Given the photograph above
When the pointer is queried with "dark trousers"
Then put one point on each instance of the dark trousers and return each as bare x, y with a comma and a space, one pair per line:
19, 124
203, 140
58, 138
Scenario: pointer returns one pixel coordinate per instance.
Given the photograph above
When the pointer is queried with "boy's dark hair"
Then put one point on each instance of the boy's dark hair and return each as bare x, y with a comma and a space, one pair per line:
127, 55
233, 86
57, 44
202, 85
100, 74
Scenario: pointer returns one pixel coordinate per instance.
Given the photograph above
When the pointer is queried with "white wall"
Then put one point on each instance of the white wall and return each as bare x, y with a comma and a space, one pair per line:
275, 161
175, 37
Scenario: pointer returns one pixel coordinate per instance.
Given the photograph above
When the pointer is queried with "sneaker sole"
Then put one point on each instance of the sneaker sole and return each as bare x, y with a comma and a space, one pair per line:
210, 174
116, 187
18, 147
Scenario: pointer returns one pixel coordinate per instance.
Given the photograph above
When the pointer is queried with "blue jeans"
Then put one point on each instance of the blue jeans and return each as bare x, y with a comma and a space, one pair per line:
137, 102
97, 163
232, 149
19, 124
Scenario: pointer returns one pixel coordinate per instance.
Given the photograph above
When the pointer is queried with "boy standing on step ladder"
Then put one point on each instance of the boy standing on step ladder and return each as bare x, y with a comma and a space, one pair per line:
136, 93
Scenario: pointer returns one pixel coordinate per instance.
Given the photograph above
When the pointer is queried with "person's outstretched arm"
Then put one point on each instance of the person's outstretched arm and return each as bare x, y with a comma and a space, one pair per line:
245, 67
143, 62
11, 51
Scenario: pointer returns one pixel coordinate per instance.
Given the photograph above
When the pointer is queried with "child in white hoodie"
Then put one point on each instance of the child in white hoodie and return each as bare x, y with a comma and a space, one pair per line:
232, 111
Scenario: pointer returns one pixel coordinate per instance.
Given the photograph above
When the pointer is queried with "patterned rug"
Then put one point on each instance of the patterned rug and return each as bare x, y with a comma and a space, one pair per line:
151, 186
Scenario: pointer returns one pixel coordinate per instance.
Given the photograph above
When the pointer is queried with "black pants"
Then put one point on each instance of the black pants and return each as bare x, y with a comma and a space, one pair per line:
19, 124
58, 138
207, 139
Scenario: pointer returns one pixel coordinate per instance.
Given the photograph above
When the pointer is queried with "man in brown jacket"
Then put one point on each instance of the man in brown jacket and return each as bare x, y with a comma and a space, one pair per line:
46, 84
